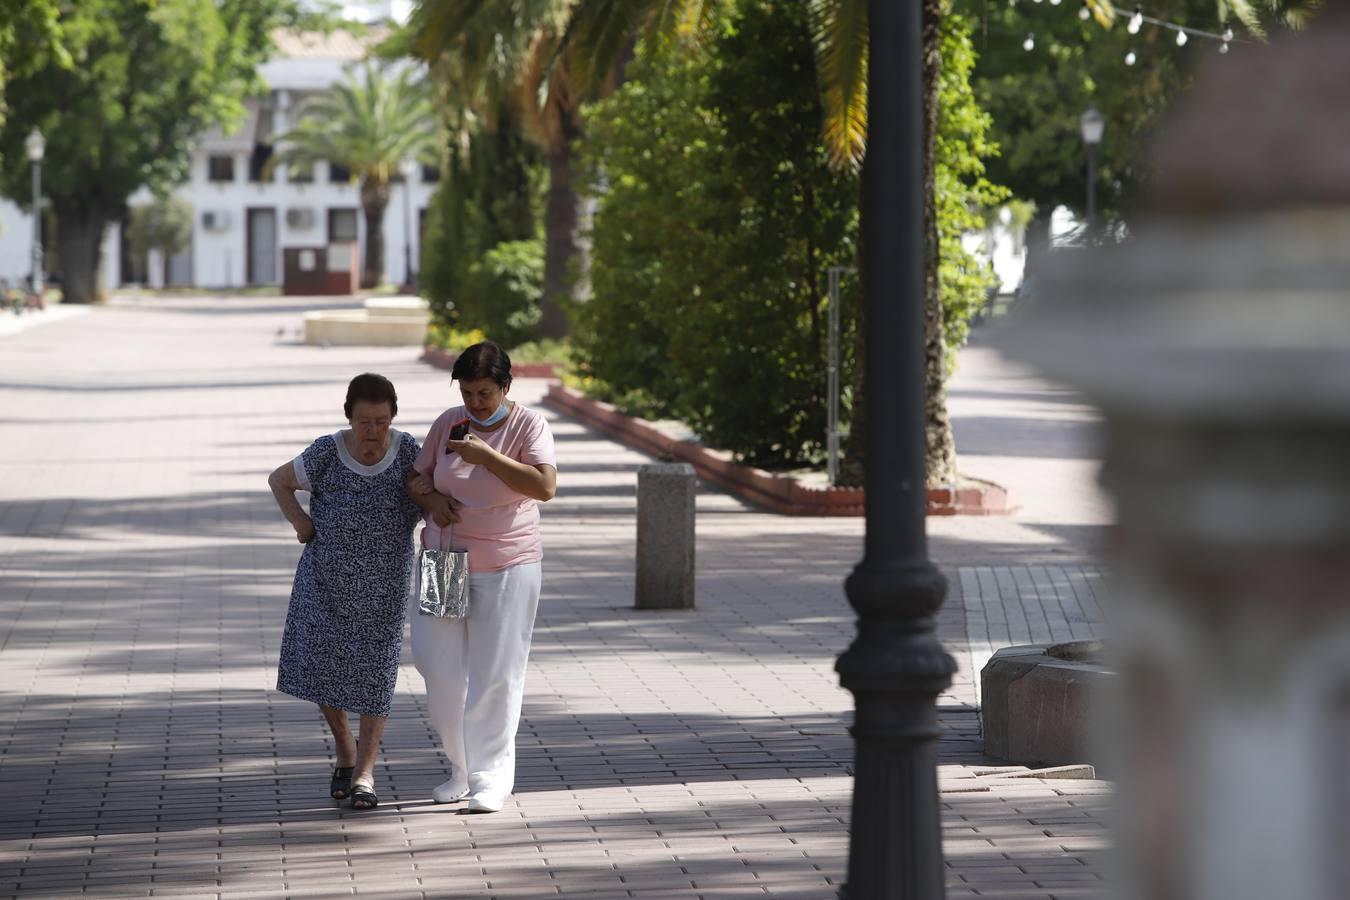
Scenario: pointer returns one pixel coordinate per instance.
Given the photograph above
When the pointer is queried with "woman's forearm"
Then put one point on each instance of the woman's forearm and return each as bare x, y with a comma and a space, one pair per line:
290, 506
532, 481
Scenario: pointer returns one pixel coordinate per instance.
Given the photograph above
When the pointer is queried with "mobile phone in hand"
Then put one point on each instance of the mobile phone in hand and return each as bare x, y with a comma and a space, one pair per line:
460, 430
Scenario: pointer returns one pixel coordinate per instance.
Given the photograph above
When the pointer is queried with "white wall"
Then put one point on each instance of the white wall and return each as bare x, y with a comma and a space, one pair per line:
16, 247
219, 256
16, 243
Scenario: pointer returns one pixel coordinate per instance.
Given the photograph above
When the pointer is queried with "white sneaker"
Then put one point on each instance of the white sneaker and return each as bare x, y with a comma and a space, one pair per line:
486, 803
450, 791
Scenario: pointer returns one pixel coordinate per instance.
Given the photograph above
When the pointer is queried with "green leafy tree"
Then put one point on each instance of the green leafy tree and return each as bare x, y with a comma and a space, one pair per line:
30, 37
719, 218
502, 291
164, 225
146, 80
514, 49
1035, 97
488, 194
371, 123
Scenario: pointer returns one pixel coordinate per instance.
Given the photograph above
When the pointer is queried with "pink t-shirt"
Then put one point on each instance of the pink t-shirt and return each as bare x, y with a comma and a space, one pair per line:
497, 525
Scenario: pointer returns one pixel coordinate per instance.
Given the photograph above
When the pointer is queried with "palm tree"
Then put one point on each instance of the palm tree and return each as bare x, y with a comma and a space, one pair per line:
369, 124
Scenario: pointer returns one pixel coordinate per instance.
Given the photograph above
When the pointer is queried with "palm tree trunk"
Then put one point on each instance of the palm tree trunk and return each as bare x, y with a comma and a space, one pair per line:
374, 201
561, 215
79, 237
941, 458
941, 446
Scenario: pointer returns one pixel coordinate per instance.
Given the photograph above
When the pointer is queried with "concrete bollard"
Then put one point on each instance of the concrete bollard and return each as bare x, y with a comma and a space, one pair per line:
665, 536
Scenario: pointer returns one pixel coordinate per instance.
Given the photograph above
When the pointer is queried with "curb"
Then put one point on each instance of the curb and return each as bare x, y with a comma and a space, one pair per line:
776, 493
444, 359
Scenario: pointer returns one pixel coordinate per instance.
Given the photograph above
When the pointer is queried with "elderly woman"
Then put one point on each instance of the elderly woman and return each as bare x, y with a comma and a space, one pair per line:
485, 465
344, 628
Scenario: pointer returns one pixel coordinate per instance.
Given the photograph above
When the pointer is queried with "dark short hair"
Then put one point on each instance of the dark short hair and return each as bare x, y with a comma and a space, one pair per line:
483, 360
371, 388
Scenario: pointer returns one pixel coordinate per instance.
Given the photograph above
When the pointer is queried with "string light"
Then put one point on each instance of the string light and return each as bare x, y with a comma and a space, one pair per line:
1184, 33
1136, 22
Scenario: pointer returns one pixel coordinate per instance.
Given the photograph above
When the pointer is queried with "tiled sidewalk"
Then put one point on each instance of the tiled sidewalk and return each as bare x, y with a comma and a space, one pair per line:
144, 574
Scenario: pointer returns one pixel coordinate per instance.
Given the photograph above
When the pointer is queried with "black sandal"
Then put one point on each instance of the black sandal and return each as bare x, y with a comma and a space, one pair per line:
341, 785
364, 794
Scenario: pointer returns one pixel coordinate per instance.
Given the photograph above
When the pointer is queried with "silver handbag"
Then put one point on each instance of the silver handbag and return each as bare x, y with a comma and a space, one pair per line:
443, 581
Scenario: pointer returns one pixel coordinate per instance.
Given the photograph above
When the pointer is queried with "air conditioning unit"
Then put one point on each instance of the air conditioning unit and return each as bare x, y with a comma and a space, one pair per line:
301, 218
216, 219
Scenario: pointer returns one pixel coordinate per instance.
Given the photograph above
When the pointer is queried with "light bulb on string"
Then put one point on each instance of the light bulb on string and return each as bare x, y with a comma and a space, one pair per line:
1030, 43
1181, 39
1085, 14
1227, 35
1056, 2
1136, 22
1130, 58
1223, 48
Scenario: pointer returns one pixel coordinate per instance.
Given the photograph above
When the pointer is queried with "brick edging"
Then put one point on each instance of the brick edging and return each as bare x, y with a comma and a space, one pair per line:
444, 359
777, 493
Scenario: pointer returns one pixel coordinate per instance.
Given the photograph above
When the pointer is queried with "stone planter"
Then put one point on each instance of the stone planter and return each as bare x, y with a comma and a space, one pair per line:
1037, 703
775, 492
381, 322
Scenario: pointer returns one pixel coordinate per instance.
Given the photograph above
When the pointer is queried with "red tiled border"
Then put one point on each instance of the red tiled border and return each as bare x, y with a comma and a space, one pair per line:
777, 493
444, 359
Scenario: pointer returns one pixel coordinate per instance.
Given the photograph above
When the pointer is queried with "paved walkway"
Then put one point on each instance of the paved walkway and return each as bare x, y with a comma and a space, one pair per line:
144, 573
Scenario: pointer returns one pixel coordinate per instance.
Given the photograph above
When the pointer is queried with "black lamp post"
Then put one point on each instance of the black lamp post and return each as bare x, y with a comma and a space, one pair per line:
895, 667
35, 147
1091, 123
409, 171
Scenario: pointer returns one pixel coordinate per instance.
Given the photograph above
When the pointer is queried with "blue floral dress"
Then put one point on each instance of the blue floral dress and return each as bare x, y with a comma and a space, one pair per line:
344, 628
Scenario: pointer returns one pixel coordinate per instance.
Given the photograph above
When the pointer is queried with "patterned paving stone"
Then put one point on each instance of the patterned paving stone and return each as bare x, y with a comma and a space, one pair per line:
144, 574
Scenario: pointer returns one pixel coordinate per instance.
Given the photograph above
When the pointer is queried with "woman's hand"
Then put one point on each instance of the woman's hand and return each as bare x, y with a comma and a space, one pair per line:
471, 449
420, 485
439, 508
304, 530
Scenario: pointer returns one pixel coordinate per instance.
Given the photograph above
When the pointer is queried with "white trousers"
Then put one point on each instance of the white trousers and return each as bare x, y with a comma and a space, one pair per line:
474, 670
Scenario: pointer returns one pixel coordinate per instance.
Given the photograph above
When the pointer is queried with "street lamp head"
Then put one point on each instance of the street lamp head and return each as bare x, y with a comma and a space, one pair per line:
1092, 123
35, 145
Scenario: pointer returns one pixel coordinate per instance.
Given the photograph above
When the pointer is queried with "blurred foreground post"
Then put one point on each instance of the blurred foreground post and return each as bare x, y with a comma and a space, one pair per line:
895, 667
1217, 344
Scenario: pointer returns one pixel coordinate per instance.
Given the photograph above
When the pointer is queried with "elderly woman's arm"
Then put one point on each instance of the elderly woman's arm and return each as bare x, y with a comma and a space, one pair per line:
284, 485
434, 505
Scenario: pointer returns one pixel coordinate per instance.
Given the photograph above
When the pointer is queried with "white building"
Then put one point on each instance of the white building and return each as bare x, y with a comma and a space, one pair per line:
241, 223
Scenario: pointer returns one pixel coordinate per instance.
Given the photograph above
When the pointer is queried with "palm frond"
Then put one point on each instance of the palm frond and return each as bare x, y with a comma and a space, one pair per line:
840, 31
369, 123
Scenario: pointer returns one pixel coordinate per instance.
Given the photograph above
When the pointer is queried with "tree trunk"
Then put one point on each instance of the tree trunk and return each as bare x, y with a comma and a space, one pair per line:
561, 215
941, 446
79, 237
941, 459
374, 201
853, 466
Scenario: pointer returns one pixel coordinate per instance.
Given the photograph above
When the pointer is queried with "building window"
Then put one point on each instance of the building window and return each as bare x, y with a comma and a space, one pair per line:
220, 168
339, 174
257, 163
300, 172
341, 225
430, 174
